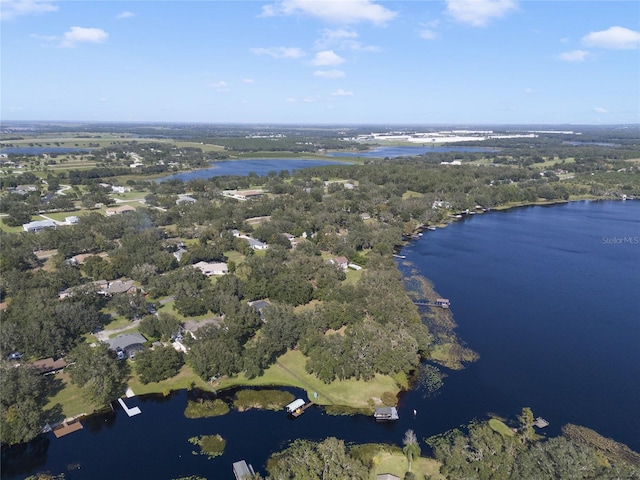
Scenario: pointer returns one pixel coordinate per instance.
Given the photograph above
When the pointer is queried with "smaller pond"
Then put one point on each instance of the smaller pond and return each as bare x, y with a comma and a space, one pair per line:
259, 166
42, 150
392, 152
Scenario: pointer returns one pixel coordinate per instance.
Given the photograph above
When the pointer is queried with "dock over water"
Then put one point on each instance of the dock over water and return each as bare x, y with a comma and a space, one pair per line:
129, 411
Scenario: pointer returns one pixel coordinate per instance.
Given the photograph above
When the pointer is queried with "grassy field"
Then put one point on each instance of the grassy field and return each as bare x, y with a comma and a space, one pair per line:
395, 463
500, 427
290, 371
185, 379
70, 397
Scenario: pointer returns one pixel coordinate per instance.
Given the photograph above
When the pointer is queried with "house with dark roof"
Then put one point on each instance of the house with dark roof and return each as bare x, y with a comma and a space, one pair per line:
49, 366
125, 341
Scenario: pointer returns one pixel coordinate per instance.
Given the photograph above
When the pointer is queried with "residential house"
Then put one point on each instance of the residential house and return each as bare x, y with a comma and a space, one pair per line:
24, 189
39, 225
49, 366
119, 210
179, 253
259, 306
185, 199
215, 268
342, 262
291, 238
192, 326
257, 244
126, 343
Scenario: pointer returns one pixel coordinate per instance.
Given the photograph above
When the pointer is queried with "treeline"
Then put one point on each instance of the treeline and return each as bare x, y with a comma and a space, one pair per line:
479, 452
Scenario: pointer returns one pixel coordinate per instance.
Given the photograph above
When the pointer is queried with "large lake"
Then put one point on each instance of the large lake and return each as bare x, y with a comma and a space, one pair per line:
548, 296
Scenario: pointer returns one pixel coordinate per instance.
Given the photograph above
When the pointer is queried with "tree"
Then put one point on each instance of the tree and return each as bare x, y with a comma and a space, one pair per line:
158, 364
21, 404
98, 372
411, 448
527, 433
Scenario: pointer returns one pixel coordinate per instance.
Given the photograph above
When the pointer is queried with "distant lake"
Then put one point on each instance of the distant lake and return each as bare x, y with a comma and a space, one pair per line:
260, 167
393, 152
41, 150
547, 296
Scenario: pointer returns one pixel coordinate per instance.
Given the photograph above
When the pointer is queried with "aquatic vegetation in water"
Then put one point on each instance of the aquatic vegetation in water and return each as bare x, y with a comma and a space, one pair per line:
210, 445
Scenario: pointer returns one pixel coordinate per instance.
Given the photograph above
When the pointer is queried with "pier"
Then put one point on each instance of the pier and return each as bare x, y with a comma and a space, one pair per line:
129, 411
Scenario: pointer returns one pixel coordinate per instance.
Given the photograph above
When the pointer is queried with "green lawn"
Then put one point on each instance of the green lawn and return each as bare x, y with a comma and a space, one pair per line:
500, 427
395, 463
70, 397
185, 379
290, 371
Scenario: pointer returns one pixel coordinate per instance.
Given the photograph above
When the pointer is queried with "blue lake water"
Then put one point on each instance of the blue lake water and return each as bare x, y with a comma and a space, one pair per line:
548, 297
41, 150
393, 152
259, 166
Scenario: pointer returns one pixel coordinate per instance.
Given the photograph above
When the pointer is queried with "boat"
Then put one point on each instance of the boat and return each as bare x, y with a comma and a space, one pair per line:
431, 227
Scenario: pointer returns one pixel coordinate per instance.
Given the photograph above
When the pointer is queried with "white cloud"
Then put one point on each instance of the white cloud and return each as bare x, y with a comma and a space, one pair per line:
310, 99
83, 35
279, 52
600, 110
220, 86
574, 56
478, 13
428, 34
614, 38
528, 91
327, 58
102, 100
126, 14
342, 93
344, 12
12, 9
343, 39
248, 80
46, 38
329, 73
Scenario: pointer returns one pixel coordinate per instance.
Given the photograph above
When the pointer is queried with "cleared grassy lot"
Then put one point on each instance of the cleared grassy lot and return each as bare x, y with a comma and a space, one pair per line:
395, 463
185, 379
289, 371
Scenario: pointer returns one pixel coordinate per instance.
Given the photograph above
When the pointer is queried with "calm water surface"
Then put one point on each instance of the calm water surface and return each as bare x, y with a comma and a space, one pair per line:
548, 296
259, 166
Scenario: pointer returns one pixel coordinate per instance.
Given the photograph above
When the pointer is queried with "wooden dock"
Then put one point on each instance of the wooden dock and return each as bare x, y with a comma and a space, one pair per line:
540, 422
299, 411
66, 429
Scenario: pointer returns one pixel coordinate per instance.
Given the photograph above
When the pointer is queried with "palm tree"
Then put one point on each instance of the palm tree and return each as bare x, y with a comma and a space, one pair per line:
411, 448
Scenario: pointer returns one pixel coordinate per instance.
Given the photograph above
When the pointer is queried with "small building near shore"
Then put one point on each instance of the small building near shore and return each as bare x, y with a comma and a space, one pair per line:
242, 470
386, 413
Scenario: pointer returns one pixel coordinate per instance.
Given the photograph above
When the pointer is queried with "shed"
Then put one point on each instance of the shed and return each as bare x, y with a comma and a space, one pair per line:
295, 405
386, 476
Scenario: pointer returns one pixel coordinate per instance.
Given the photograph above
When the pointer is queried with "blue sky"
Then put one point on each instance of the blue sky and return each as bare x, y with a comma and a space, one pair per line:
463, 62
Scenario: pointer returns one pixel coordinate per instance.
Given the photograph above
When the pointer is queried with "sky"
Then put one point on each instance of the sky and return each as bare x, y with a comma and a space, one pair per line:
429, 62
